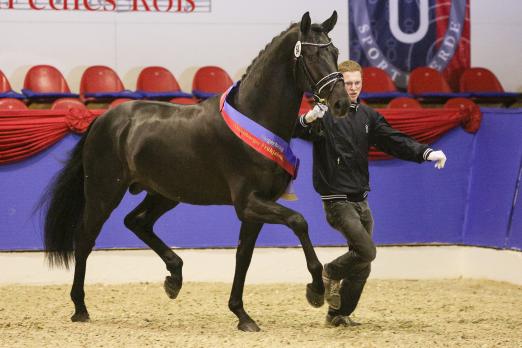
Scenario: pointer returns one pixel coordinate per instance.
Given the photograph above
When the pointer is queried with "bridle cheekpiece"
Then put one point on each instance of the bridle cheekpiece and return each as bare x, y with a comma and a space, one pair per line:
328, 80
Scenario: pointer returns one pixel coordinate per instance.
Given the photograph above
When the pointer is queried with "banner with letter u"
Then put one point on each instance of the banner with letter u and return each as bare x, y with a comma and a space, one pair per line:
400, 35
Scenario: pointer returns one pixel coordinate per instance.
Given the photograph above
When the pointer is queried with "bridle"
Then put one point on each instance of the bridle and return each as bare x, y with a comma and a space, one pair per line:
328, 80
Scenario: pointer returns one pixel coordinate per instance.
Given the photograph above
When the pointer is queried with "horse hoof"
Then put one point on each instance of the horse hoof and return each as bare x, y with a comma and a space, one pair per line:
248, 326
315, 298
80, 317
172, 286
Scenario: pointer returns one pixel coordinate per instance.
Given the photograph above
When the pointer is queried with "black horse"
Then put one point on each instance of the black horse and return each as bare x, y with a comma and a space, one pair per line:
189, 154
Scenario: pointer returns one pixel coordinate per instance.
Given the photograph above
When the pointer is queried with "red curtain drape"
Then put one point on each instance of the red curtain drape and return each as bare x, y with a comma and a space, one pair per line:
428, 125
24, 133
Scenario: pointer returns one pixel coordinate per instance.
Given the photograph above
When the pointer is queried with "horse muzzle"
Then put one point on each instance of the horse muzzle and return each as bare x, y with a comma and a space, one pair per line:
338, 101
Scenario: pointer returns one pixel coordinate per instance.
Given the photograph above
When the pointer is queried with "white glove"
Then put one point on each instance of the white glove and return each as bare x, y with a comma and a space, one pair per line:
439, 157
317, 112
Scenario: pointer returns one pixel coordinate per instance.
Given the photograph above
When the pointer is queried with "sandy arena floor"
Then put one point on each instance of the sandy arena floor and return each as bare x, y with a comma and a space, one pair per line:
394, 313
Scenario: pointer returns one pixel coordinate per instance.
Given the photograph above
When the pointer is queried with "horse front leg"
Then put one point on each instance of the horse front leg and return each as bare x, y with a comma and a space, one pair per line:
247, 241
264, 211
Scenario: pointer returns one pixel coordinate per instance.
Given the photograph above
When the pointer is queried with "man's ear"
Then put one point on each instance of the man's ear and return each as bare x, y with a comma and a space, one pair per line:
306, 23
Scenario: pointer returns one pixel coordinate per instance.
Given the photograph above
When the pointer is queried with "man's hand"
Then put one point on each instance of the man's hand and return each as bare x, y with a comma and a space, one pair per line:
438, 157
317, 112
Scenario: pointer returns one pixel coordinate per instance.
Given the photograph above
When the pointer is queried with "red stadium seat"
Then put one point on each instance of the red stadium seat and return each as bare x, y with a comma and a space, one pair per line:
6, 90
404, 103
461, 103
100, 79
485, 87
101, 83
377, 80
45, 79
5, 86
429, 85
11, 104
209, 81
158, 83
479, 80
184, 101
119, 101
427, 80
45, 83
68, 103
156, 79
378, 87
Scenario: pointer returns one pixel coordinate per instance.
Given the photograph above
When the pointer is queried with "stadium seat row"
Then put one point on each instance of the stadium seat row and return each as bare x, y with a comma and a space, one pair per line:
101, 83
306, 105
429, 85
45, 83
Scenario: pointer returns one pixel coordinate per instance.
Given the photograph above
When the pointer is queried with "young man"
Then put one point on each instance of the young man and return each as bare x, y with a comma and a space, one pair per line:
340, 176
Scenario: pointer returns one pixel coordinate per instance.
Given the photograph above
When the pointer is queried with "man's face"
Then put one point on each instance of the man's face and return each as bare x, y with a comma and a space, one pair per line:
353, 84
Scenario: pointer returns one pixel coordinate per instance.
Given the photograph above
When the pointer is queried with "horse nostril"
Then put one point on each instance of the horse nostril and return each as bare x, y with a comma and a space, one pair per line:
340, 107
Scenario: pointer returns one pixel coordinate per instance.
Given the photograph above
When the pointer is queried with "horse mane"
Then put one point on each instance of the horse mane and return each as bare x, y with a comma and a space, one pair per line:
314, 27
275, 38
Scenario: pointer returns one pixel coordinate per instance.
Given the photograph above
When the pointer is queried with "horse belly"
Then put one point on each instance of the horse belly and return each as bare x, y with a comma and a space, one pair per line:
183, 157
183, 176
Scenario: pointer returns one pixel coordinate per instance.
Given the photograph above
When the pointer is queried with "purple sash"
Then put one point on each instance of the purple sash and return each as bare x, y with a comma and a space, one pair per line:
259, 138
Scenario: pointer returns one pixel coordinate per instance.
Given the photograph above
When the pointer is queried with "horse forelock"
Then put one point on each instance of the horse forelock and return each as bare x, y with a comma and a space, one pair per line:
318, 28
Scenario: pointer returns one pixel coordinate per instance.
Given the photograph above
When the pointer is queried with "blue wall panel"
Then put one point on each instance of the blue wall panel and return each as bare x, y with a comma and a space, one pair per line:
21, 184
469, 201
515, 231
494, 175
416, 203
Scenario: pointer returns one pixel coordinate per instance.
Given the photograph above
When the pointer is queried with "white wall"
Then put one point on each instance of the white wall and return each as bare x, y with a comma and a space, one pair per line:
230, 36
269, 265
496, 39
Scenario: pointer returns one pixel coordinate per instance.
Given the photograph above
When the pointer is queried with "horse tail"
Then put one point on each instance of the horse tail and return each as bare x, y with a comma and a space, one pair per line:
64, 199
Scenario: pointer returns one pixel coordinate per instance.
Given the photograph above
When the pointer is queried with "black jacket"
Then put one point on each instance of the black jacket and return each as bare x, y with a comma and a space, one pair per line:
340, 150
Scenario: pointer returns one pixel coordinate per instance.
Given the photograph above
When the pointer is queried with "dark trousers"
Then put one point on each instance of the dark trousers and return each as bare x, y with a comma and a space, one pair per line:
354, 220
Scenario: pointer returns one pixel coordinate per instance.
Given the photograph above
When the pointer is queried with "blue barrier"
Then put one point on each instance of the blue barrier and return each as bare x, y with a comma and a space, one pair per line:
494, 175
514, 236
471, 201
416, 203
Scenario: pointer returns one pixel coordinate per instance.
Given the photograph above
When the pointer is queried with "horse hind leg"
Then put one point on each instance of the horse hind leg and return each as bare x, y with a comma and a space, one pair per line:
102, 196
141, 221
247, 241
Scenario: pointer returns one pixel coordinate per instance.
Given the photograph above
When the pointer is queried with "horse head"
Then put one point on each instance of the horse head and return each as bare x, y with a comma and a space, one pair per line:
316, 60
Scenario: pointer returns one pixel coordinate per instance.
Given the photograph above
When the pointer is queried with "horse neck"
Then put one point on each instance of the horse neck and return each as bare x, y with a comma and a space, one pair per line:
269, 94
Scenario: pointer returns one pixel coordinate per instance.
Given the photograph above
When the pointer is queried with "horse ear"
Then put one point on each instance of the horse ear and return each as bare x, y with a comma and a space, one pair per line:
330, 22
306, 23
